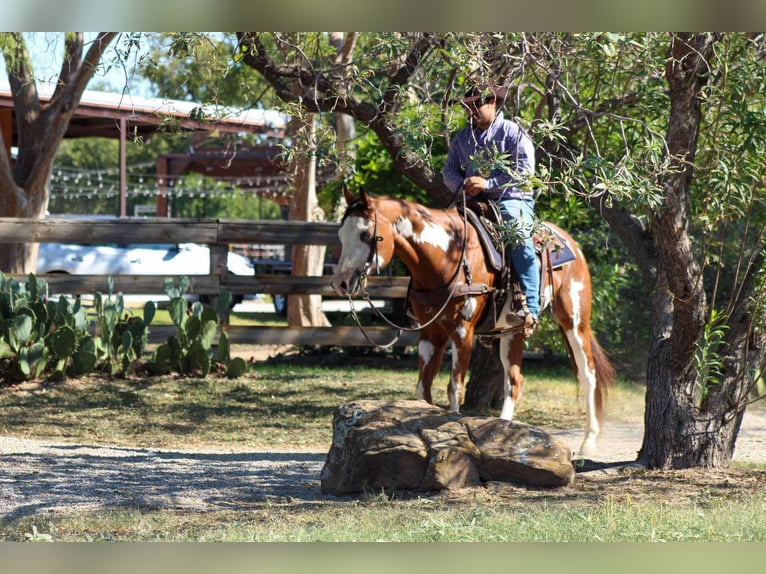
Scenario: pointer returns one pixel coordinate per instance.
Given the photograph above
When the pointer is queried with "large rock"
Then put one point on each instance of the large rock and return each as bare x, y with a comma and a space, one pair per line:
411, 445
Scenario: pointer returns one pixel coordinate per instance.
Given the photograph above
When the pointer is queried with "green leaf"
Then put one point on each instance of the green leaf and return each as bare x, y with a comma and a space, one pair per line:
83, 361
177, 311
63, 342
22, 328
236, 368
207, 335
224, 349
150, 308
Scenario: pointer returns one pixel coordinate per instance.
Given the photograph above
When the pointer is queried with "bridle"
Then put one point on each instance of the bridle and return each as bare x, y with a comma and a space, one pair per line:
363, 272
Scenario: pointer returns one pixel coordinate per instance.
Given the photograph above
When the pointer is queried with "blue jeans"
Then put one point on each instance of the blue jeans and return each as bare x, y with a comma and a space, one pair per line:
523, 255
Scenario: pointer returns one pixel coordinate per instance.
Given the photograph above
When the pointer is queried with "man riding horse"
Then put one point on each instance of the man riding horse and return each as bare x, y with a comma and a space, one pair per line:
472, 164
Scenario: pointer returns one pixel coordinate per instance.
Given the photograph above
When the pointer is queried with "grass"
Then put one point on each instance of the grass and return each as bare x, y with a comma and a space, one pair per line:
287, 403
477, 516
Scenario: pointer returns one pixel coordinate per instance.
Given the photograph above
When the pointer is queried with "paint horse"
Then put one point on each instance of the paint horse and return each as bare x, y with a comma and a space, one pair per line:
451, 288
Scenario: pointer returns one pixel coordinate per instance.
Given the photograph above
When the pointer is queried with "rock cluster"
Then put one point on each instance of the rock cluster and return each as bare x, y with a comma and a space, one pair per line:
411, 445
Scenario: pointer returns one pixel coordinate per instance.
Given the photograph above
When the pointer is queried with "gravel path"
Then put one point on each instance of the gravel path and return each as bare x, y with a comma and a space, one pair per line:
38, 476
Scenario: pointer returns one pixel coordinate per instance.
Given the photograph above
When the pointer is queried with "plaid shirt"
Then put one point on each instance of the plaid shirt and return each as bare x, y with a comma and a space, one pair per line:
503, 182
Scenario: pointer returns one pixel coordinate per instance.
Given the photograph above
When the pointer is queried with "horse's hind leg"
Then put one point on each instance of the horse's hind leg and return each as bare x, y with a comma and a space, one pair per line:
430, 356
511, 352
578, 341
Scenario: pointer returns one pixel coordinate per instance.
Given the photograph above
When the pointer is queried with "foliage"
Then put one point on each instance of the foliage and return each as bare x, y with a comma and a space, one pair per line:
122, 338
199, 67
707, 358
190, 350
46, 338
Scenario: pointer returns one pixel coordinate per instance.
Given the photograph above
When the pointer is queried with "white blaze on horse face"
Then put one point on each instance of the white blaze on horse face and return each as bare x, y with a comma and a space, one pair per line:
354, 252
431, 234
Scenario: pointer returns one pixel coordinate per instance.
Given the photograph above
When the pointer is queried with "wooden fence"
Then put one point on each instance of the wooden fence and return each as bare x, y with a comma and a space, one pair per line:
219, 235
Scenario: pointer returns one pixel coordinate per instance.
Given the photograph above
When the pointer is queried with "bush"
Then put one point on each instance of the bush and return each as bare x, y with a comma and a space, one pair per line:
46, 338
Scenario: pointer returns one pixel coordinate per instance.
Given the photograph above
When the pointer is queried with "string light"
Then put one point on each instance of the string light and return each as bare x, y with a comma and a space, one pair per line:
72, 183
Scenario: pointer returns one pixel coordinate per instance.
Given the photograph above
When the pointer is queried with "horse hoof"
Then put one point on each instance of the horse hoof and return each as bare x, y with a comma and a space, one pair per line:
587, 449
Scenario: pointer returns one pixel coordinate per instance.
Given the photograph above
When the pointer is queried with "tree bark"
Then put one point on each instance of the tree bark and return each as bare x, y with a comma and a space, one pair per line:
681, 432
484, 389
308, 260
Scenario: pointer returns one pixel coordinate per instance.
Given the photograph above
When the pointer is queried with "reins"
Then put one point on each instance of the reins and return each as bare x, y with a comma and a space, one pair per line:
363, 284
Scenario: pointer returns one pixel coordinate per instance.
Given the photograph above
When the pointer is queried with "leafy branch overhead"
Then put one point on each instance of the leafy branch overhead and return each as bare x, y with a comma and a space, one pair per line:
661, 133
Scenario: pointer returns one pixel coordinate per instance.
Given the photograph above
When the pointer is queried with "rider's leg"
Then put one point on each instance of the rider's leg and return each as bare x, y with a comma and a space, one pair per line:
527, 270
523, 257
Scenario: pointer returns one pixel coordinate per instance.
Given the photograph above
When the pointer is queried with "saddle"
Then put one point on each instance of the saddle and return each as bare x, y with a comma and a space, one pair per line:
552, 249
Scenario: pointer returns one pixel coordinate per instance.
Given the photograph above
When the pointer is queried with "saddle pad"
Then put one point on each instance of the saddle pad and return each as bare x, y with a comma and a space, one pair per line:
561, 253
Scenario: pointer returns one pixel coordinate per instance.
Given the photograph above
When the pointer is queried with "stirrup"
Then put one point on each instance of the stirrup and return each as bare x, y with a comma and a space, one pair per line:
529, 325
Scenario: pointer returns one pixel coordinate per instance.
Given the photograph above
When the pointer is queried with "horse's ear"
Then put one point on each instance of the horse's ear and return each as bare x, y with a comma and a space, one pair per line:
363, 196
347, 194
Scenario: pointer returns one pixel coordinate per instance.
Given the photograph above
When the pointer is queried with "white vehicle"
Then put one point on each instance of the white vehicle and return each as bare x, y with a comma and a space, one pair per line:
144, 259
149, 259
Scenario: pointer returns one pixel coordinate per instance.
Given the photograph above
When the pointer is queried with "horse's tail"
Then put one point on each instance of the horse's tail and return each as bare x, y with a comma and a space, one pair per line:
605, 376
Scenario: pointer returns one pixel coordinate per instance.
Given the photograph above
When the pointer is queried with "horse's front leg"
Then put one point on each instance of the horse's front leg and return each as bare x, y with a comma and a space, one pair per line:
462, 345
430, 355
511, 352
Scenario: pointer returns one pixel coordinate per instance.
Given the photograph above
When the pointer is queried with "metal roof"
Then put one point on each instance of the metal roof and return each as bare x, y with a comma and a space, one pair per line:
99, 114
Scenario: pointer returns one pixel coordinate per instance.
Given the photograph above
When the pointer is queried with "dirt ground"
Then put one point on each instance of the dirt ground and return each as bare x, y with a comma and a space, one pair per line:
42, 476
39, 476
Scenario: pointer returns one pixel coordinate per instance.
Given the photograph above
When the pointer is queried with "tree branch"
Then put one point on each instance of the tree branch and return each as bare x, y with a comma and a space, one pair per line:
290, 84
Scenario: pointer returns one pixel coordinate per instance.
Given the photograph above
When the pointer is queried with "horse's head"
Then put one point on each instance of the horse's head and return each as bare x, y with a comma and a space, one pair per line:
367, 243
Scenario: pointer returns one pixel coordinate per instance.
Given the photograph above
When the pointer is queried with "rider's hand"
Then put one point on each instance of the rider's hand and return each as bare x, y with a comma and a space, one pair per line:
474, 185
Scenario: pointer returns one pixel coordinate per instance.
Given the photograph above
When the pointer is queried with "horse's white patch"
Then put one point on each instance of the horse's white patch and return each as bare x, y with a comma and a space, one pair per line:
547, 296
453, 390
431, 234
404, 227
509, 406
460, 331
425, 351
585, 374
574, 294
469, 308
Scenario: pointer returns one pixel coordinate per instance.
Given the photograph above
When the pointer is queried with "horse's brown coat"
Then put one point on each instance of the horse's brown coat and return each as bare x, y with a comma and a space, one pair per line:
432, 244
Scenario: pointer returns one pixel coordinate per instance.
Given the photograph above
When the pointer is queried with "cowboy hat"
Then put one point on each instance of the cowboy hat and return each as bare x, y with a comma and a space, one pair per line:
484, 93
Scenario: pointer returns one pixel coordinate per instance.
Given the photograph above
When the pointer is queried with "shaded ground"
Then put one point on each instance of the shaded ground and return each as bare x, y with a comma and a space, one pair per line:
38, 476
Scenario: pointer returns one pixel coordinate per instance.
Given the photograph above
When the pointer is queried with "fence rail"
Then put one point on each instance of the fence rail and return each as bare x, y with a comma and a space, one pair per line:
219, 235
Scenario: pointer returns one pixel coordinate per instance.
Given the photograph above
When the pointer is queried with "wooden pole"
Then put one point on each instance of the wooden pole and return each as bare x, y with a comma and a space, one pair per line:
6, 128
123, 168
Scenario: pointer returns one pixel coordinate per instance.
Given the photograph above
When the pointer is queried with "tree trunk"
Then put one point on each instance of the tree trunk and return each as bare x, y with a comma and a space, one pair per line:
24, 183
684, 428
308, 260
484, 390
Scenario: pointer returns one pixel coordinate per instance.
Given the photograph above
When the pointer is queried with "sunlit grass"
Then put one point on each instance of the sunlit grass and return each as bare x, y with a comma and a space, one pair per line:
378, 519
